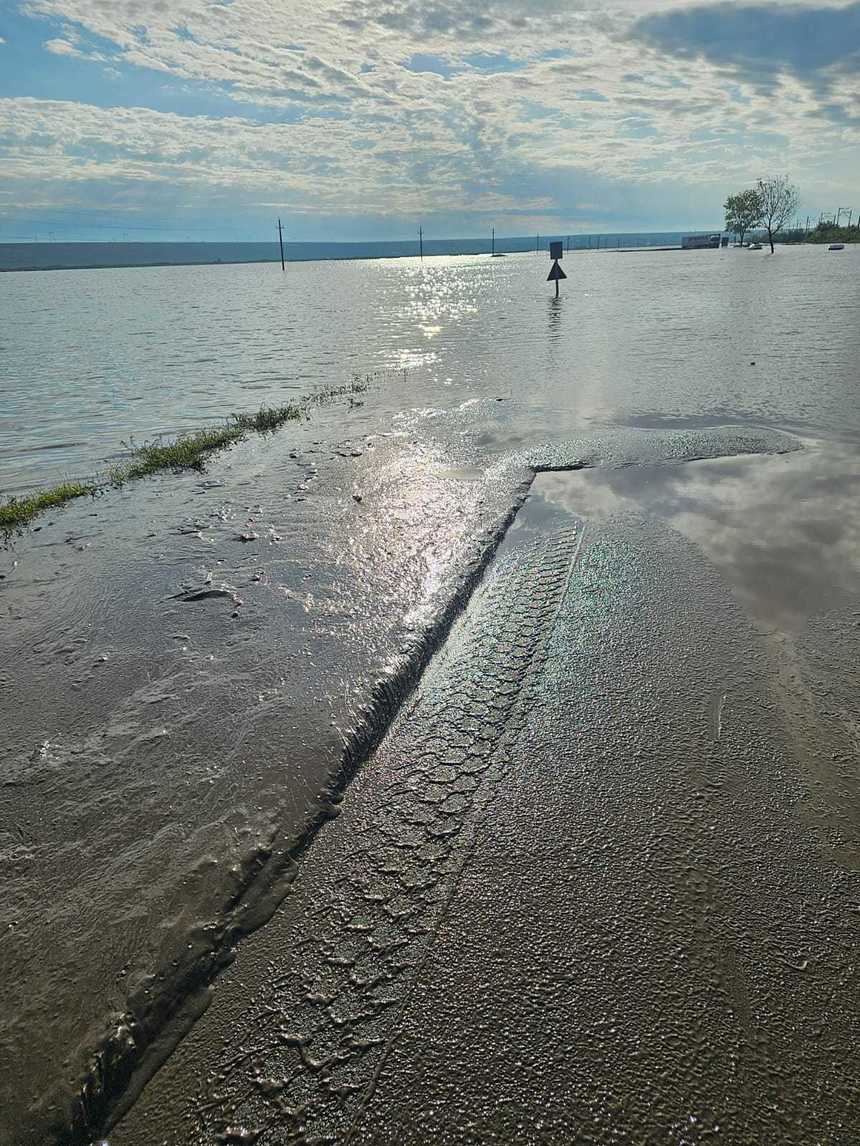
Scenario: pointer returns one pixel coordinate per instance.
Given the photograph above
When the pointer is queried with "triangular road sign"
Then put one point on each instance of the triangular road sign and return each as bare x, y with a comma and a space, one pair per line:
556, 273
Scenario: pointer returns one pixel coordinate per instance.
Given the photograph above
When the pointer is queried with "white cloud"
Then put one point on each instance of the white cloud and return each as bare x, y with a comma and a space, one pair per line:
63, 48
547, 102
80, 144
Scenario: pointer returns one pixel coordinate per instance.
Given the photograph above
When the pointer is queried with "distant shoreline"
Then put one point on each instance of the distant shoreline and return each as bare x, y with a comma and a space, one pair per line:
111, 256
325, 259
615, 247
143, 266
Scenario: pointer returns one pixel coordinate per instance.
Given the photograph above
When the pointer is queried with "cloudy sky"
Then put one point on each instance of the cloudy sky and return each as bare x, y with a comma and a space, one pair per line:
357, 119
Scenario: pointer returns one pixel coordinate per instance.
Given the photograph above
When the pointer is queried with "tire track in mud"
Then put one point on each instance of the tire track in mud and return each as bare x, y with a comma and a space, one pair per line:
373, 889
170, 999
150, 1020
123, 1065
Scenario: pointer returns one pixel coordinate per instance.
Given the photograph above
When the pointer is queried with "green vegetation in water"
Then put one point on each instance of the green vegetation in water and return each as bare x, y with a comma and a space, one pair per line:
189, 451
357, 385
20, 511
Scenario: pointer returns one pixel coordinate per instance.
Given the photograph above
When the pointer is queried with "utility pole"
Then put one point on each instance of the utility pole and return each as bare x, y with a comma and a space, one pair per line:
421, 243
281, 241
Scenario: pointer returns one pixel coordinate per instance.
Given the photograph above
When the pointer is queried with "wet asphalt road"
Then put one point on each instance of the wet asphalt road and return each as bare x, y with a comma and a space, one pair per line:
598, 884
192, 679
195, 683
612, 894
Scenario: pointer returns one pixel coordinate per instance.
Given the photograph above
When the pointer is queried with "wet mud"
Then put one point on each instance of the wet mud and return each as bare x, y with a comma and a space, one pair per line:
195, 673
183, 712
653, 940
196, 686
371, 896
571, 895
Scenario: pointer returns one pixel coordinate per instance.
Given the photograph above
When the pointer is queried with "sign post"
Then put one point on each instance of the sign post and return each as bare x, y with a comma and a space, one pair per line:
556, 274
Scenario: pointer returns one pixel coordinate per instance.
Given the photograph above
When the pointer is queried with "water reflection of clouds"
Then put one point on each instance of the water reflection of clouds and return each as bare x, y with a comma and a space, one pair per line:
784, 531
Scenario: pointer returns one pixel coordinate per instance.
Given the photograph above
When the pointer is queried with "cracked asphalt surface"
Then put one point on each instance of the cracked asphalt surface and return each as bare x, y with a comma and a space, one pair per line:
581, 893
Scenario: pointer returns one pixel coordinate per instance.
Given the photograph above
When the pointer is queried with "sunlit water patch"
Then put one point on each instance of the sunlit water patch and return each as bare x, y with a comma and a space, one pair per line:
93, 360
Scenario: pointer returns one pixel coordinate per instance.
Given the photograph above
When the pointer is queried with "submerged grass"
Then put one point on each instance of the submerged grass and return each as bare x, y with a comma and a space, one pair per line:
189, 451
20, 511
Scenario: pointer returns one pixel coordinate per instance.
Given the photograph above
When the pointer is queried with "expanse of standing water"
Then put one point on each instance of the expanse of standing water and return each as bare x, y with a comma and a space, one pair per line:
185, 658
93, 360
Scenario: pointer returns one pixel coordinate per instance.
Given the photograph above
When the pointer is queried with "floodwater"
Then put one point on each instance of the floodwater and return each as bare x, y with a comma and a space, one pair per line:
598, 884
784, 531
193, 667
93, 360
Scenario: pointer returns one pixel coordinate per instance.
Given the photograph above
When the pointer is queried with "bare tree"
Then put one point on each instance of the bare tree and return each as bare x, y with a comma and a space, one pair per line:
742, 212
779, 200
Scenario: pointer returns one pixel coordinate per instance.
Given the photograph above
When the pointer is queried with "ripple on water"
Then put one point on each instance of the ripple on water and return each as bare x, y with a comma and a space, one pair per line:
644, 336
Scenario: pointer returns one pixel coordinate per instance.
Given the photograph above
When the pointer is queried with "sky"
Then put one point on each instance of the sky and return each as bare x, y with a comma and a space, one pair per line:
360, 119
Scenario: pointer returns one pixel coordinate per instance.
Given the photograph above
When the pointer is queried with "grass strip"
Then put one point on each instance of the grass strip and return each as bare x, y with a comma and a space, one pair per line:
188, 451
20, 511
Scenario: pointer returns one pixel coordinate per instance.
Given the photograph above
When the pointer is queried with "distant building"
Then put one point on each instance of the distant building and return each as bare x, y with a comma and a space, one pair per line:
700, 242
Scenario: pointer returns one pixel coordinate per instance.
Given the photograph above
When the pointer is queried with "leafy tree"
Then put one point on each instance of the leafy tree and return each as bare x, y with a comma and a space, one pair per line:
743, 211
779, 200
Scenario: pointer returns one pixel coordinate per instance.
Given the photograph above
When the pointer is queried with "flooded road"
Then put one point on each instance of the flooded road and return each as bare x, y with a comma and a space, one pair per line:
784, 531
91, 360
207, 691
600, 881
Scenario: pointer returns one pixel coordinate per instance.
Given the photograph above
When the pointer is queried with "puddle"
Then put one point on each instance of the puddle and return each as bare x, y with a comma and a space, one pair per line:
784, 531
